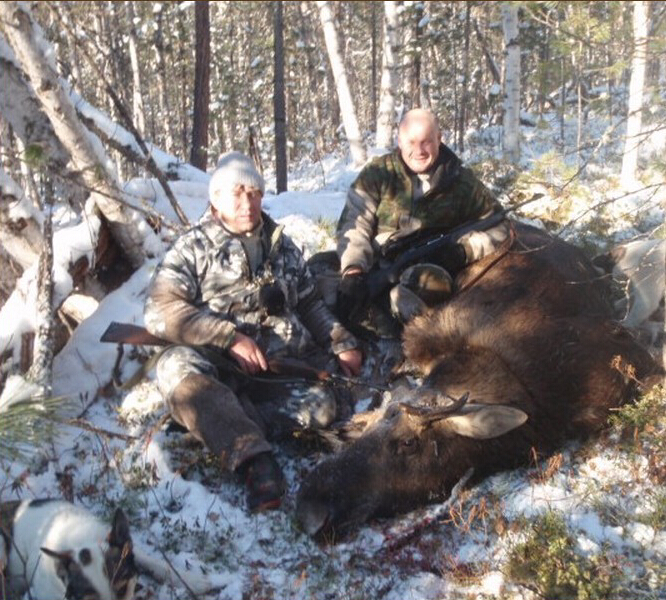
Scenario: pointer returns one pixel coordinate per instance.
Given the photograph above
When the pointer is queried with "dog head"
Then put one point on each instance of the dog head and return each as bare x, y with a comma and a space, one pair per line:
99, 573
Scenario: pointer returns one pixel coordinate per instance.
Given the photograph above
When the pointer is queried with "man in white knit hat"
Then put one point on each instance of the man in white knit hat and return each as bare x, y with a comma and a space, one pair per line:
236, 286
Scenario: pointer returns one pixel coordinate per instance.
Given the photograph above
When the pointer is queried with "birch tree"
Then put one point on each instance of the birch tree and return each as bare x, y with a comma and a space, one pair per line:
511, 120
347, 109
21, 237
22, 110
41, 370
88, 158
386, 116
138, 112
636, 85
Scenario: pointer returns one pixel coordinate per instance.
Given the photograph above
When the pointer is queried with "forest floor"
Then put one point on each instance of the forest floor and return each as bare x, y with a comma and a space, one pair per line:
589, 522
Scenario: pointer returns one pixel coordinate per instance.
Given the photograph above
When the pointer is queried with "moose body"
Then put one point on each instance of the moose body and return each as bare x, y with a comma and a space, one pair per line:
527, 347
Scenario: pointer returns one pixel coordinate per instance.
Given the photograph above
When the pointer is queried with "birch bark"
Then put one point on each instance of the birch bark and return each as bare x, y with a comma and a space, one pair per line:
511, 121
87, 154
636, 86
386, 117
347, 109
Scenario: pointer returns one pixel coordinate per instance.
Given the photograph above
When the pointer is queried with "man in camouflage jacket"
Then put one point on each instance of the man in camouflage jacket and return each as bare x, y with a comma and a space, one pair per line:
236, 285
422, 184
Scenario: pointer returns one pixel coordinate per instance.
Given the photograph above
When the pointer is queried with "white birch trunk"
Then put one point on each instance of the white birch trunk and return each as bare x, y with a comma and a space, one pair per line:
386, 116
21, 235
347, 108
511, 120
634, 121
88, 157
137, 99
21, 109
407, 44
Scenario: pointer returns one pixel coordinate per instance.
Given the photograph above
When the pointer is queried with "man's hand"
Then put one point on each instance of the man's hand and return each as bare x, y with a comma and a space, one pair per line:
350, 362
352, 292
247, 354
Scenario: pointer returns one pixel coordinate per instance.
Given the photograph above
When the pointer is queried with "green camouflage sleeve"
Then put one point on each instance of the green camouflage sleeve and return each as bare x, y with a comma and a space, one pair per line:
357, 225
171, 310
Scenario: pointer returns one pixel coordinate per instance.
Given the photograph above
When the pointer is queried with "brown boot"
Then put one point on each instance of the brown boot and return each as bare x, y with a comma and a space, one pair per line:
213, 414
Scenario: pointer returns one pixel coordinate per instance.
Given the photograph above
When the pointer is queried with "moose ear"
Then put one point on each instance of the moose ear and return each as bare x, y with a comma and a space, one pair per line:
487, 422
119, 534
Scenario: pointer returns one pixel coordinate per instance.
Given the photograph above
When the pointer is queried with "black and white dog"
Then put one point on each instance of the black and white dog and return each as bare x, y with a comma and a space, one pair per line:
61, 551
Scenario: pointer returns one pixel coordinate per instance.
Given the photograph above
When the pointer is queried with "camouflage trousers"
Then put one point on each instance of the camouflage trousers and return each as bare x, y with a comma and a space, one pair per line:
235, 415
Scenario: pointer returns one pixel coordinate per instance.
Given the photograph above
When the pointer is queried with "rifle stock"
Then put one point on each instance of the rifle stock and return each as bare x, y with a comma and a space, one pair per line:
128, 333
285, 369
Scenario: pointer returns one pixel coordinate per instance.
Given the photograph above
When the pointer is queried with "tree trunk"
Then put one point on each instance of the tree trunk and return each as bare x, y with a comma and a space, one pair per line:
41, 370
23, 112
160, 68
21, 235
634, 118
373, 64
407, 59
313, 80
386, 118
511, 121
347, 109
138, 113
88, 158
279, 100
199, 152
464, 92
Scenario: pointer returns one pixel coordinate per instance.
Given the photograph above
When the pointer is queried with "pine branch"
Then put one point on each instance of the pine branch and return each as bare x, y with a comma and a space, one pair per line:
26, 425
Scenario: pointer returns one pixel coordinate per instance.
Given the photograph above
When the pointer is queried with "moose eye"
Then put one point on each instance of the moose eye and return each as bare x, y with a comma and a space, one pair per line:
408, 445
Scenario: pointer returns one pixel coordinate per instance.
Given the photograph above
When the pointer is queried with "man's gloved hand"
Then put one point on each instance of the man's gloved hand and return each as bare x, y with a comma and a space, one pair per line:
452, 257
352, 294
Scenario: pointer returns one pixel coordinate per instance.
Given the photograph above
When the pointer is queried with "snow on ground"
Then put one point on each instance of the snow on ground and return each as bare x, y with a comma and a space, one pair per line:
181, 504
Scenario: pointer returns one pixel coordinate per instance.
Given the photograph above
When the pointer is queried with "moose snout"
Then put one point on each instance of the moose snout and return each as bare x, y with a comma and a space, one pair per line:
313, 515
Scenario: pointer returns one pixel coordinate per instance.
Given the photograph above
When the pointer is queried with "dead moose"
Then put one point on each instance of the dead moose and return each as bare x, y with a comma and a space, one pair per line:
523, 357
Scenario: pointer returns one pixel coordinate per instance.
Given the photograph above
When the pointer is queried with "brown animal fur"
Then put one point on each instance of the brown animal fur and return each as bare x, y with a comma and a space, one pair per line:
531, 330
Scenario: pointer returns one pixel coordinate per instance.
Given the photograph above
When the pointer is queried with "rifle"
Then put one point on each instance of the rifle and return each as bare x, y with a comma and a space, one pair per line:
420, 247
286, 370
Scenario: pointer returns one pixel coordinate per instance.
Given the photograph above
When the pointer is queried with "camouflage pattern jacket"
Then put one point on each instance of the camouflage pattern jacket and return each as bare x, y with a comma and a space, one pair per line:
206, 288
381, 206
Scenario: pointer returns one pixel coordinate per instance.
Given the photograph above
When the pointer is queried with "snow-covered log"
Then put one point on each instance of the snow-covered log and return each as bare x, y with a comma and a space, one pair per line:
88, 157
23, 111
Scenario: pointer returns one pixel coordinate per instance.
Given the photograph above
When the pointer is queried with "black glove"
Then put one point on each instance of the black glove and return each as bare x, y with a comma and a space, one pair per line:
352, 296
452, 257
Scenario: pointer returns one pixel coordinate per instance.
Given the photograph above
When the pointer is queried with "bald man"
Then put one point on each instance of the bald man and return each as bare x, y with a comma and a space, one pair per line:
421, 184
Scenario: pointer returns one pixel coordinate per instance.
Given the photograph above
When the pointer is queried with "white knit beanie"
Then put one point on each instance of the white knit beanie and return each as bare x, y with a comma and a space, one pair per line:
233, 168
